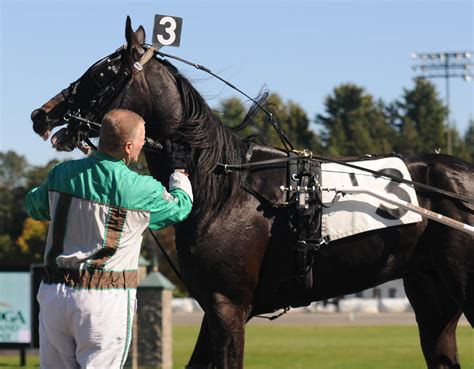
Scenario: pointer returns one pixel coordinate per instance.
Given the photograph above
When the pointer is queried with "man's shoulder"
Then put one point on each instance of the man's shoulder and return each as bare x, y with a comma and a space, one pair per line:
140, 182
68, 165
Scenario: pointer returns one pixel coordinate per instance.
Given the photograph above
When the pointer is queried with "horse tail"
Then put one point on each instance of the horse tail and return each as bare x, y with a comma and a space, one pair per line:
452, 250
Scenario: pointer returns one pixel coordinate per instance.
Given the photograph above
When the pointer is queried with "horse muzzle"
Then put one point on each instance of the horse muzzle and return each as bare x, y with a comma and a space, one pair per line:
50, 114
40, 123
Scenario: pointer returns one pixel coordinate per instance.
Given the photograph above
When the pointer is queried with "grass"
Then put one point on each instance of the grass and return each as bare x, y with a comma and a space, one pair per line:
312, 347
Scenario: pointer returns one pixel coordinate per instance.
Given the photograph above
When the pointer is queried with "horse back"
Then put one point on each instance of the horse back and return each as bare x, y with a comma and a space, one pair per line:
446, 173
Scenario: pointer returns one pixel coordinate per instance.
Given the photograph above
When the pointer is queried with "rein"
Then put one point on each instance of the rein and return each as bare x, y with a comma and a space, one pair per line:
289, 146
80, 125
109, 92
283, 137
228, 168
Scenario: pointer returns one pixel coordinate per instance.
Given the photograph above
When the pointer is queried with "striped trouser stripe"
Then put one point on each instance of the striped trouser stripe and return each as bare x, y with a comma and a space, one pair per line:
128, 337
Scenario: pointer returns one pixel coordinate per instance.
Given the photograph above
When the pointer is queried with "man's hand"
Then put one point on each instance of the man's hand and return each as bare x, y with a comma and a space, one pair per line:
178, 156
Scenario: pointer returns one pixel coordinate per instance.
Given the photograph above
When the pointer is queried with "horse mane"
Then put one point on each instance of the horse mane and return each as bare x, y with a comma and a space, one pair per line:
212, 143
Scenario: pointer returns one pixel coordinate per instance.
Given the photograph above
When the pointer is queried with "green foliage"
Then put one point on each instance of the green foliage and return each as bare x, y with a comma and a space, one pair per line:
290, 116
469, 141
8, 252
17, 177
32, 240
420, 120
460, 148
13, 179
232, 113
354, 123
36, 175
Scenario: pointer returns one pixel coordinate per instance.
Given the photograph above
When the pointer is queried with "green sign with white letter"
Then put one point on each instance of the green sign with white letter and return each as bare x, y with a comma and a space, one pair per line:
15, 307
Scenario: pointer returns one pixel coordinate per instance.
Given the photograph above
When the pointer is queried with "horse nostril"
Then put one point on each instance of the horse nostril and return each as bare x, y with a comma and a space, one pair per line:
38, 116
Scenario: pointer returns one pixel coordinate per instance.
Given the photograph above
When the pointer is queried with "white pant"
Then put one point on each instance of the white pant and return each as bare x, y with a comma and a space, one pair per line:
84, 328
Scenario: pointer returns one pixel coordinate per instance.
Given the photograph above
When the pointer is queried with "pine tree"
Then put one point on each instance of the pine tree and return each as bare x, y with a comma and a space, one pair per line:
291, 118
469, 141
421, 110
354, 124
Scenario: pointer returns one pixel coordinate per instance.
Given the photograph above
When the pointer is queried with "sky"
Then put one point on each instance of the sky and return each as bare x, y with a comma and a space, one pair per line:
300, 50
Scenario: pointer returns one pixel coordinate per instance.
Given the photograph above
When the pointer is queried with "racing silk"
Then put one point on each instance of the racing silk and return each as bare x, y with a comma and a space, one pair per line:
99, 209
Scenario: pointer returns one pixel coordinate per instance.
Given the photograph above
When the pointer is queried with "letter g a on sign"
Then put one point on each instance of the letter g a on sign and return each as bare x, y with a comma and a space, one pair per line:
167, 31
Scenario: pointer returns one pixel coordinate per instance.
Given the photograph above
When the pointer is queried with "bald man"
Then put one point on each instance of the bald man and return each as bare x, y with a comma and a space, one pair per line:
99, 209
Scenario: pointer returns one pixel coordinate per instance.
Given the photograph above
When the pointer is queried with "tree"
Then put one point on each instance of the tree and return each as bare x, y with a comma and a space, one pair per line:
37, 174
20, 240
354, 123
8, 252
290, 116
13, 168
423, 112
459, 147
232, 113
32, 240
469, 140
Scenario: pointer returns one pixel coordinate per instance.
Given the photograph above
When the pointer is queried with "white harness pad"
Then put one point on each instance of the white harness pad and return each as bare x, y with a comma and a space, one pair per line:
351, 214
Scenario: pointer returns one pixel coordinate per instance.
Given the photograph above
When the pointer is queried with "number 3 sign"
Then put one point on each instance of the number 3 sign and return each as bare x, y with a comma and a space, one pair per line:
167, 31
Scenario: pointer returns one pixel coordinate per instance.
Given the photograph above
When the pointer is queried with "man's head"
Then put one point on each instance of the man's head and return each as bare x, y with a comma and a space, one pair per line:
122, 134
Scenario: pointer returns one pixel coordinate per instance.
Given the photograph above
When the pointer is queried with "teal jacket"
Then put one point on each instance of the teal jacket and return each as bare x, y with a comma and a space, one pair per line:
99, 209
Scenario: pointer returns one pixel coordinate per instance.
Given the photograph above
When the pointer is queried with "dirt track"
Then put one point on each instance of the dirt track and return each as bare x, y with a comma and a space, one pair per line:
319, 319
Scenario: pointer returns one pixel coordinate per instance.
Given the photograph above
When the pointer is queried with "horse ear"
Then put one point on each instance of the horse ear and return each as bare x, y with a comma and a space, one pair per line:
134, 46
131, 37
140, 35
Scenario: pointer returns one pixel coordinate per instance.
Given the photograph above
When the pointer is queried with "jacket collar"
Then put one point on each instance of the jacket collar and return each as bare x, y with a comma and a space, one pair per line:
104, 156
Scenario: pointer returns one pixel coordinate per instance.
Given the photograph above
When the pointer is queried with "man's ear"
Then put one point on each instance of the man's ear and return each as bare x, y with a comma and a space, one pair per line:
128, 147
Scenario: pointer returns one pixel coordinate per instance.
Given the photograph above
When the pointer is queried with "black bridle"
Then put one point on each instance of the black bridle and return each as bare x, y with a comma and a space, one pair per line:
80, 128
98, 87
91, 95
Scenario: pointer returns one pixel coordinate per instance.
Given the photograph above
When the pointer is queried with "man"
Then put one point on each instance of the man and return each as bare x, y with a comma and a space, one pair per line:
99, 209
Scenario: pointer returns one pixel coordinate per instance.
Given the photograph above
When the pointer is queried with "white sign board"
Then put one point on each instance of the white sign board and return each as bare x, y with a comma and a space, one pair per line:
15, 307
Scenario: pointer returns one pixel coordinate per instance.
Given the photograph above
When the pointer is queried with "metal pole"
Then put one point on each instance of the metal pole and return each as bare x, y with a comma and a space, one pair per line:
445, 65
22, 356
449, 137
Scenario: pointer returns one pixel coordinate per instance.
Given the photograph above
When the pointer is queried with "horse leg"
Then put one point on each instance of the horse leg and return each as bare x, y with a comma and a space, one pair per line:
226, 322
202, 354
437, 315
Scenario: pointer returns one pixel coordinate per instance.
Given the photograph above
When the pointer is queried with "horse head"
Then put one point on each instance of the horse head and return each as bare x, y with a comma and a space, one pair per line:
122, 79
134, 77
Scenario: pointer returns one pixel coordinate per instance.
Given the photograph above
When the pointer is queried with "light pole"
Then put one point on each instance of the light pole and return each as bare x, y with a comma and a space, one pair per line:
445, 65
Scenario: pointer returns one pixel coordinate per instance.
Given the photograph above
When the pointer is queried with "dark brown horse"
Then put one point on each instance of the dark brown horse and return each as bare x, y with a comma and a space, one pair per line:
236, 252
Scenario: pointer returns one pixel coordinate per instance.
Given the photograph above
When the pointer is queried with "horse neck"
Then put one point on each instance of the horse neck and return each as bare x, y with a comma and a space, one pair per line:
214, 190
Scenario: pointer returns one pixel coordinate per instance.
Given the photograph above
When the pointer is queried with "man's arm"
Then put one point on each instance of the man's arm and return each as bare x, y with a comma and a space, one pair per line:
174, 206
37, 202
